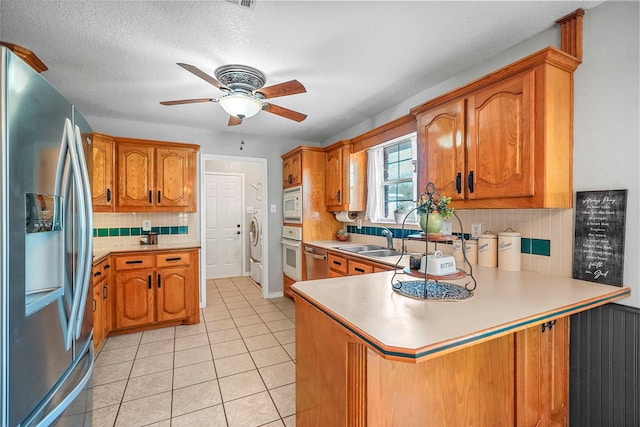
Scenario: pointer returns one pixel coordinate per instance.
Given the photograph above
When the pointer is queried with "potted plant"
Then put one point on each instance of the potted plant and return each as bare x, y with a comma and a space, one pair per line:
401, 211
433, 211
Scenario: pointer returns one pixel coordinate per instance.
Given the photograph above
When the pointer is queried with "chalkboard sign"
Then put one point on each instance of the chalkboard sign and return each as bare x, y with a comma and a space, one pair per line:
598, 249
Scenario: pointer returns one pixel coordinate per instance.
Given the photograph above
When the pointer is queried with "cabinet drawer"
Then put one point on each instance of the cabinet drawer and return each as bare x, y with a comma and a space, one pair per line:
337, 263
133, 262
356, 267
173, 259
100, 270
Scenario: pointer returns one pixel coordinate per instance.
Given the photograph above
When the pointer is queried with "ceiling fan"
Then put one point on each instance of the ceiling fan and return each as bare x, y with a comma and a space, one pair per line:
244, 95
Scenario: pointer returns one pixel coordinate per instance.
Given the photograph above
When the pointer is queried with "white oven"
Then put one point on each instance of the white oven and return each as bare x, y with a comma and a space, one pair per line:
292, 252
292, 205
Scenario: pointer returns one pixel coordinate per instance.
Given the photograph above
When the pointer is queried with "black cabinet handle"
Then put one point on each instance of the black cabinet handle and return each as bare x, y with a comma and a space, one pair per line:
108, 266
358, 269
108, 194
290, 179
470, 182
159, 281
459, 182
337, 262
135, 261
95, 306
149, 281
177, 258
338, 195
97, 273
105, 292
150, 196
159, 196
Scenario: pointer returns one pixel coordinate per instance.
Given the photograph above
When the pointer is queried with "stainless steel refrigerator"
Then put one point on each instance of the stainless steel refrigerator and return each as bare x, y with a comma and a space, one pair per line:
45, 252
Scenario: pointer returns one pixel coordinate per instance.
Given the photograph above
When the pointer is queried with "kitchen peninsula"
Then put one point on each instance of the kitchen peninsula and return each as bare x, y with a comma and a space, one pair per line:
367, 355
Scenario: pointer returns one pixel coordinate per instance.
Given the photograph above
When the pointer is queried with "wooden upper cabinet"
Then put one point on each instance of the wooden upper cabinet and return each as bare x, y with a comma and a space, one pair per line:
135, 176
501, 121
334, 169
292, 170
155, 176
505, 140
102, 188
440, 147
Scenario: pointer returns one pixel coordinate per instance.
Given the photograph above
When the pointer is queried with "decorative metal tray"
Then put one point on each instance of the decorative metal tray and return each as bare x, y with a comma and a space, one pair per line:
432, 290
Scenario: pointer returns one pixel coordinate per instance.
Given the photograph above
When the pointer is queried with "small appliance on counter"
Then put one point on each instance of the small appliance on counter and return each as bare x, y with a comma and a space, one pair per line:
149, 239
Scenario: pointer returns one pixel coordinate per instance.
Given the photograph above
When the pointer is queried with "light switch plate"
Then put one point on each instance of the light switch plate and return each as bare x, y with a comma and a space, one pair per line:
273, 208
146, 225
447, 228
476, 229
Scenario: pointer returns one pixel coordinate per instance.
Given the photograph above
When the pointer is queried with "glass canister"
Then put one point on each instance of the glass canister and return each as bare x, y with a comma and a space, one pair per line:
488, 250
509, 250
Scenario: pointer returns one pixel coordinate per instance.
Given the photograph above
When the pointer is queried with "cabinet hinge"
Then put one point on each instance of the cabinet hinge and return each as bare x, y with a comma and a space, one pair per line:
548, 325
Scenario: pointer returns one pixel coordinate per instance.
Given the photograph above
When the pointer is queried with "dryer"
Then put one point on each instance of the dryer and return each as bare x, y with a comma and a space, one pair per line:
255, 246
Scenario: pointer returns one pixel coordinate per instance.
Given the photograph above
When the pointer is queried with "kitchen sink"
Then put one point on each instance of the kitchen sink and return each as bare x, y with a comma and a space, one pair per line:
378, 253
359, 248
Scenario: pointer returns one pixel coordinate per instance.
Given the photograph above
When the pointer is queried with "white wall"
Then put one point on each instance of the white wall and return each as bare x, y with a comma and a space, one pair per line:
606, 111
224, 144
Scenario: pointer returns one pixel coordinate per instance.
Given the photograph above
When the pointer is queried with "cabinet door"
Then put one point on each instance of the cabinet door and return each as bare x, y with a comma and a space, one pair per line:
335, 195
286, 284
337, 264
173, 293
292, 171
107, 305
441, 151
102, 173
542, 381
135, 175
134, 298
501, 123
98, 315
175, 175
356, 267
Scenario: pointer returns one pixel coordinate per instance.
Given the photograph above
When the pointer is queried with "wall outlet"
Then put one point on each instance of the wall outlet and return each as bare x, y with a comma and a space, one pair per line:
476, 229
146, 225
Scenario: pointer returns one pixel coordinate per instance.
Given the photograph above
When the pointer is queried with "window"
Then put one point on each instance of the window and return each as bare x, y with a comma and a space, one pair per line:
391, 177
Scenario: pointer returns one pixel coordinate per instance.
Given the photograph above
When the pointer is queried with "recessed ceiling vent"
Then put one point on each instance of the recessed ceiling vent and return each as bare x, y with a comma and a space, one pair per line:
247, 4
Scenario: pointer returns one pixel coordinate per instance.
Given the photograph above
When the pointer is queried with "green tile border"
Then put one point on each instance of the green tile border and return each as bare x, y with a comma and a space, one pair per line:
137, 231
528, 245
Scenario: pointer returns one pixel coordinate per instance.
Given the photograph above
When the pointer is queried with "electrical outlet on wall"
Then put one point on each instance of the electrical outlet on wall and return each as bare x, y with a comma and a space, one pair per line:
476, 229
447, 228
146, 225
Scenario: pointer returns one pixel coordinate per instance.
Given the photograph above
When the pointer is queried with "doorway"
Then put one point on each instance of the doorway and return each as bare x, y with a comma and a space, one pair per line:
220, 254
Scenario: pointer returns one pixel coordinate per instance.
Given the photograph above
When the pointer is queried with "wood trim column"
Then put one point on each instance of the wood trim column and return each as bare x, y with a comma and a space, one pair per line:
571, 33
356, 384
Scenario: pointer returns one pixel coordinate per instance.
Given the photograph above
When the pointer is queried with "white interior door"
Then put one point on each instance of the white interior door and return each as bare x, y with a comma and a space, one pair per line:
223, 225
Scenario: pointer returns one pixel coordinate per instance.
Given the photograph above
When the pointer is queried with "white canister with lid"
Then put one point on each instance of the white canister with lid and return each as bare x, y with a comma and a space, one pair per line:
488, 250
470, 250
509, 250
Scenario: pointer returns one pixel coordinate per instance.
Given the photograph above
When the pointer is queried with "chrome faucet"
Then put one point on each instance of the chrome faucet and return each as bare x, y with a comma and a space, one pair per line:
386, 232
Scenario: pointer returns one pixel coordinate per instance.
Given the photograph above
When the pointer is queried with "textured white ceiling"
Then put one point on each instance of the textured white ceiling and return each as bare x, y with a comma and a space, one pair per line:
356, 58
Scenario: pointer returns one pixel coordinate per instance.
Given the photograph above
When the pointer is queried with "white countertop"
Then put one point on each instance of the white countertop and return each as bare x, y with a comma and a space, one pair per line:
401, 327
99, 253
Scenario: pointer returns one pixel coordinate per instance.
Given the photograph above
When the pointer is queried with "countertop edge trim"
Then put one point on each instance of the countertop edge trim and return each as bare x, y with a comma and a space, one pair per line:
573, 309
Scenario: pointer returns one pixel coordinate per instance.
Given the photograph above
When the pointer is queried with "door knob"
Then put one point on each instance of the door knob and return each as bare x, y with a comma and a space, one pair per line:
238, 232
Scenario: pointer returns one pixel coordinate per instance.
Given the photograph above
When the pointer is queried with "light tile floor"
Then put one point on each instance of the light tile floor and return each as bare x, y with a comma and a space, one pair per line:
235, 368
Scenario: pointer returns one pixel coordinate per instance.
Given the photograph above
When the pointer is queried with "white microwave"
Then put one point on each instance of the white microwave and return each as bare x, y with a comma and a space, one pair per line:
292, 205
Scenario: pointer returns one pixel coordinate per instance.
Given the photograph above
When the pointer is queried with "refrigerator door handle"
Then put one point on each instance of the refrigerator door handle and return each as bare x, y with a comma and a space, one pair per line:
86, 234
69, 146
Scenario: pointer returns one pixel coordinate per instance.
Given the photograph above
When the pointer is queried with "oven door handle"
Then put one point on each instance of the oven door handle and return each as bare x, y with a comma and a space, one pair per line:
291, 243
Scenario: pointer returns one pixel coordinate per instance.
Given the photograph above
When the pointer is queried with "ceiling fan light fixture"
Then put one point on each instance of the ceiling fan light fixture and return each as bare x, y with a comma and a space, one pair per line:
240, 105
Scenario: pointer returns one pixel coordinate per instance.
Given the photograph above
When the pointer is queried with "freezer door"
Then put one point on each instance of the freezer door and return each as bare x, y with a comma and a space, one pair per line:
35, 347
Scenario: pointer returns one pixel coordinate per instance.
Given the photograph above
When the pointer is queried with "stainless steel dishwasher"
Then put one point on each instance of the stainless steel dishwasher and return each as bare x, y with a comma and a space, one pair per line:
316, 261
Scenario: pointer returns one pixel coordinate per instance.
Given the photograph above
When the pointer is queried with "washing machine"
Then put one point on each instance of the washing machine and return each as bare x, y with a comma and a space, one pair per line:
255, 246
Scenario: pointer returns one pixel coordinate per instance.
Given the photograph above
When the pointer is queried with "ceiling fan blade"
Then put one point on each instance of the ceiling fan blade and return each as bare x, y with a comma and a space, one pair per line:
282, 89
233, 120
187, 101
204, 76
285, 112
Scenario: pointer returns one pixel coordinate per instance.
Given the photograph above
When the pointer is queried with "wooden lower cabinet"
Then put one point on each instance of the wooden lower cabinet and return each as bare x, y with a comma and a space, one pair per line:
287, 282
102, 302
152, 289
342, 381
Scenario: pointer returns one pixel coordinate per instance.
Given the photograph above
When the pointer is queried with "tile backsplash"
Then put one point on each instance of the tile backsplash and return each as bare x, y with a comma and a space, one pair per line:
124, 229
547, 235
